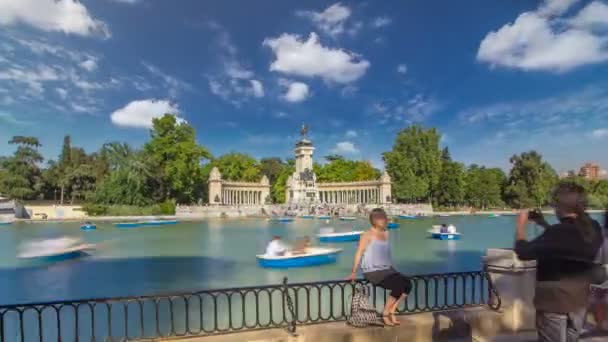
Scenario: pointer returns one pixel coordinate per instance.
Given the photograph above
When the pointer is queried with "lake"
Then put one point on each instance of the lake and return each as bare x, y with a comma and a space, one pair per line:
218, 254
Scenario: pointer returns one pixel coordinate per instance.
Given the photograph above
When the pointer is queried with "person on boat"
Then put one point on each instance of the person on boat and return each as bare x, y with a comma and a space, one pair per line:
451, 229
565, 254
301, 246
374, 257
443, 229
276, 247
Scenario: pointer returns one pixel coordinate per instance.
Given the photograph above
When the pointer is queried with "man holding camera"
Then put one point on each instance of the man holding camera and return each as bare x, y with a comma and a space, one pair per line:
565, 254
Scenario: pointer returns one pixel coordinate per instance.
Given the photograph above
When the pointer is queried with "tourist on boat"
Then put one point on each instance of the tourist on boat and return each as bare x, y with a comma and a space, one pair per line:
565, 253
451, 229
599, 290
301, 246
276, 247
374, 257
443, 229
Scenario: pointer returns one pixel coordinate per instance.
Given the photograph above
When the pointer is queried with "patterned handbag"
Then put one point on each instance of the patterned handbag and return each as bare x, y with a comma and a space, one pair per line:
362, 313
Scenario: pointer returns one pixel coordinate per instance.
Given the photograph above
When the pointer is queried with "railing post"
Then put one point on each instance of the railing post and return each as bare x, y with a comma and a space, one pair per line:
291, 326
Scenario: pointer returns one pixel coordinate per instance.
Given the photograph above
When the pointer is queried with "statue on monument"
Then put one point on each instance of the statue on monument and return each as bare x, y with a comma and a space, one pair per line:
304, 131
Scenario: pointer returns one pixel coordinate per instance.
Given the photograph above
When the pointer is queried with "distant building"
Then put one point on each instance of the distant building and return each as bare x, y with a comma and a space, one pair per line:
590, 171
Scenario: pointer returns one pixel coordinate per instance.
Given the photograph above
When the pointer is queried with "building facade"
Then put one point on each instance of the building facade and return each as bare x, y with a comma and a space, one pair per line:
590, 171
223, 192
303, 188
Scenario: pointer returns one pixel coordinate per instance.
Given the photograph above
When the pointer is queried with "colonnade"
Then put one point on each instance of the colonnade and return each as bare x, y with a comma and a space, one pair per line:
242, 197
352, 196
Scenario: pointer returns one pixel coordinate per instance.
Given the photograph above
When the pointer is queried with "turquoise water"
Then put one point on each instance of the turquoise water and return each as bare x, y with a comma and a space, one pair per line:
219, 254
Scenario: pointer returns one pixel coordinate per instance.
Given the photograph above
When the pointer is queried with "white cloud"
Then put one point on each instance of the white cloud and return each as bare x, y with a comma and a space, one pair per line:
331, 20
351, 133
542, 40
280, 115
173, 84
593, 16
67, 16
33, 78
257, 88
89, 65
345, 147
140, 113
555, 7
62, 93
130, 2
414, 109
600, 133
402, 69
296, 91
590, 104
310, 58
381, 21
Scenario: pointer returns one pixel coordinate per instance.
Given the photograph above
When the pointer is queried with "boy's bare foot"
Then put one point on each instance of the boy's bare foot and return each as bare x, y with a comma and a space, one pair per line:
395, 320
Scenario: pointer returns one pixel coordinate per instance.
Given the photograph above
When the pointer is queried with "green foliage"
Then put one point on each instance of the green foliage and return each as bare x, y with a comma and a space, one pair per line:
278, 188
22, 175
343, 170
176, 159
238, 167
451, 189
271, 167
164, 208
483, 187
530, 181
414, 164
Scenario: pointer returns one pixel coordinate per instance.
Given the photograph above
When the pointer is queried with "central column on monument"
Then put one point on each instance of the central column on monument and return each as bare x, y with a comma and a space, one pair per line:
304, 181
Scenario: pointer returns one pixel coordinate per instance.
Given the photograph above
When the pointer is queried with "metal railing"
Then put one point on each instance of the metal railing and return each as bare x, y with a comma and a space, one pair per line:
213, 312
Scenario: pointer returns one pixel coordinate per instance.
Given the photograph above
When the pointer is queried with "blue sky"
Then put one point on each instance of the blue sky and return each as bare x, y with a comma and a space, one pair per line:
495, 77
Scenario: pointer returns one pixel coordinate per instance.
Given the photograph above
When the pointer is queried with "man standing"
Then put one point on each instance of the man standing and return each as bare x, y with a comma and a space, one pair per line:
565, 254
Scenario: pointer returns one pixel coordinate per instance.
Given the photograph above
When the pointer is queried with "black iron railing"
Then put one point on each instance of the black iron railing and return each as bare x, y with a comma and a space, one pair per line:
213, 312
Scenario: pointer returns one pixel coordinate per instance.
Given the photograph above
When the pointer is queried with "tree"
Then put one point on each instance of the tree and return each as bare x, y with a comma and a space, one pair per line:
176, 158
22, 178
414, 163
277, 191
342, 170
333, 157
271, 167
238, 167
483, 187
451, 188
530, 181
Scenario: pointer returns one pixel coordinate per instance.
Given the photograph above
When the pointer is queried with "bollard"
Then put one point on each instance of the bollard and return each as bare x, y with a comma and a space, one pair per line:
515, 281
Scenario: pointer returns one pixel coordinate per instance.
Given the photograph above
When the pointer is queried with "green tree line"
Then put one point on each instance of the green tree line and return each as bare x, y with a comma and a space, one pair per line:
172, 168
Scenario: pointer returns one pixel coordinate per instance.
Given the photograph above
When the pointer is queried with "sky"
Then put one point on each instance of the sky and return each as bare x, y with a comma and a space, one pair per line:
494, 77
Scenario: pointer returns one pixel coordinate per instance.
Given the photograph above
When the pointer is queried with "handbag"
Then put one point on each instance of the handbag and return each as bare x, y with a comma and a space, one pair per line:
362, 313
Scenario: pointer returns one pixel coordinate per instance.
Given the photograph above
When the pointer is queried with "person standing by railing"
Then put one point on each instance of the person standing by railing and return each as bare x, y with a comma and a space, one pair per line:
565, 254
374, 257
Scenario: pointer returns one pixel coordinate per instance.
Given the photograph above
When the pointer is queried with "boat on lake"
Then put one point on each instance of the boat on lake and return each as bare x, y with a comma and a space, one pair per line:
58, 249
149, 223
5, 223
281, 219
347, 218
494, 215
315, 256
323, 217
408, 217
392, 225
450, 234
88, 226
152, 223
340, 237
307, 216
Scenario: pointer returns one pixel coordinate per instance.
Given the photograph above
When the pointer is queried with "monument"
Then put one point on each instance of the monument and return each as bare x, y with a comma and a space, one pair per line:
302, 186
